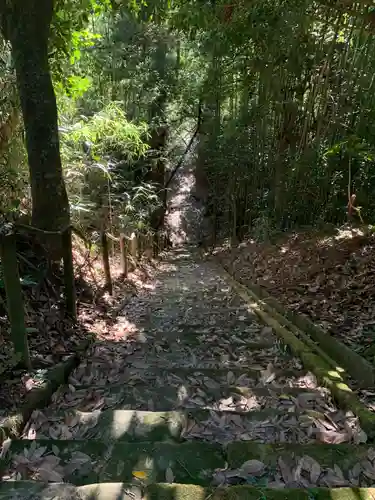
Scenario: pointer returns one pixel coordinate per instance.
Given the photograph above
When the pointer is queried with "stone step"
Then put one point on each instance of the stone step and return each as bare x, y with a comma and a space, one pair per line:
266, 426
264, 465
83, 462
205, 338
142, 396
330, 464
29, 490
182, 358
212, 353
156, 396
287, 371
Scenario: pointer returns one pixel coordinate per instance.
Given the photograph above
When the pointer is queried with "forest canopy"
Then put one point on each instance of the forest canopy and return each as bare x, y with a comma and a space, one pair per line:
283, 89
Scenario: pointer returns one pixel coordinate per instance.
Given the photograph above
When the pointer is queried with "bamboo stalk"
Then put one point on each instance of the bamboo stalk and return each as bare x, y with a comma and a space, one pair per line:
69, 281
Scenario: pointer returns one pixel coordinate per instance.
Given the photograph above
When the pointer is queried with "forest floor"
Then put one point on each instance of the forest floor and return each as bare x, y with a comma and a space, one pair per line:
327, 275
52, 335
195, 390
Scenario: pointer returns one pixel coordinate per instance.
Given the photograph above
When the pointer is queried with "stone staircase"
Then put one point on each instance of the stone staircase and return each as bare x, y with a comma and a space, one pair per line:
199, 400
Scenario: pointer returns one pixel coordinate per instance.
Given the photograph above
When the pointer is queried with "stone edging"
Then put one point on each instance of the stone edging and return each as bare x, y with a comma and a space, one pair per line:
313, 361
358, 367
164, 491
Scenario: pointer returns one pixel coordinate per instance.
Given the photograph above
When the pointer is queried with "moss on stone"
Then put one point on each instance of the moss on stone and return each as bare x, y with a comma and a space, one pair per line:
191, 462
85, 474
326, 375
192, 492
345, 455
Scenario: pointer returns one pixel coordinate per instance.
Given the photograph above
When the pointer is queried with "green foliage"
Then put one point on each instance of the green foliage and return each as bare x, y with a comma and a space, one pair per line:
13, 162
97, 190
288, 113
111, 133
288, 107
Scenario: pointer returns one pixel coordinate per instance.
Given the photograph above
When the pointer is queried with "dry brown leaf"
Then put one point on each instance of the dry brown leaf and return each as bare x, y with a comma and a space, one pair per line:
169, 476
268, 375
311, 465
236, 419
231, 378
356, 470
49, 475
332, 437
285, 470
297, 471
368, 469
78, 460
331, 479
5, 447
360, 437
38, 452
20, 460
338, 471
371, 454
55, 450
252, 468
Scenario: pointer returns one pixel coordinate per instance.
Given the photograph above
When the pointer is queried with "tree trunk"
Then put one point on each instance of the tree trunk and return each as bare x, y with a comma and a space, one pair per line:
27, 25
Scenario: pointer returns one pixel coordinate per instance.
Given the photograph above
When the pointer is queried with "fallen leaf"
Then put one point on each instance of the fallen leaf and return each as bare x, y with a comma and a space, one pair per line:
169, 476
332, 437
140, 474
49, 475
5, 447
360, 437
230, 378
311, 465
252, 468
331, 479
55, 450
285, 470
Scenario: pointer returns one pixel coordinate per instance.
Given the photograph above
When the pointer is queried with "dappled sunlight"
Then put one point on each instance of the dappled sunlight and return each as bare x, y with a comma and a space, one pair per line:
132, 365
351, 494
188, 363
334, 375
325, 275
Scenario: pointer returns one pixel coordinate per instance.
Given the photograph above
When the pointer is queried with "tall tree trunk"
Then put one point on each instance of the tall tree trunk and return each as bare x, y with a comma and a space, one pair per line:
27, 25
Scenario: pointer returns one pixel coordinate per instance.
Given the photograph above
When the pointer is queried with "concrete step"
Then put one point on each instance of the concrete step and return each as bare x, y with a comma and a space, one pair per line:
29, 490
286, 371
204, 464
218, 394
90, 461
266, 426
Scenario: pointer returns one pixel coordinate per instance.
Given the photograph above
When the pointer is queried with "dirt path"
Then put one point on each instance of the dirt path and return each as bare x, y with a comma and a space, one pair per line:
198, 392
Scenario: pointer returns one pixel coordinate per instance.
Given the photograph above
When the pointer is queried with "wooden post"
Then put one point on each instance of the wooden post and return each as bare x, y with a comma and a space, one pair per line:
148, 250
14, 297
155, 244
133, 245
69, 281
141, 243
106, 266
124, 254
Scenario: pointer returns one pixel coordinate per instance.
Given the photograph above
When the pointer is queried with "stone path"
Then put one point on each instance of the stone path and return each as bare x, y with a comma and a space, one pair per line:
197, 395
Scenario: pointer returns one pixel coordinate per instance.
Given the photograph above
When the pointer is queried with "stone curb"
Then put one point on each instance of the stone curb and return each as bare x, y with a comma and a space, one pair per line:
160, 491
357, 366
329, 377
